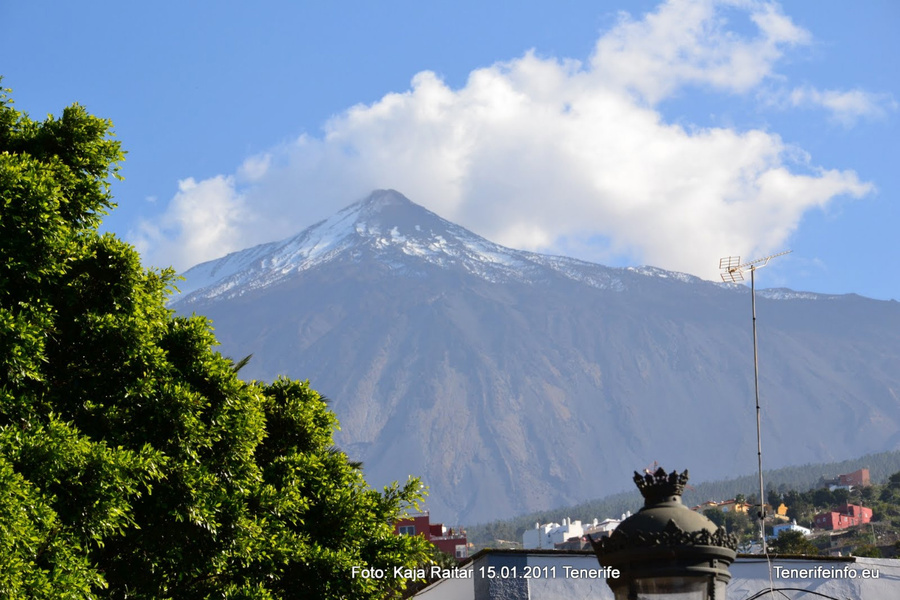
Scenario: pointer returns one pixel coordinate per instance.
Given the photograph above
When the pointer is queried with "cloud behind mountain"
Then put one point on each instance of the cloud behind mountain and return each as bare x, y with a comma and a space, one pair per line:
555, 154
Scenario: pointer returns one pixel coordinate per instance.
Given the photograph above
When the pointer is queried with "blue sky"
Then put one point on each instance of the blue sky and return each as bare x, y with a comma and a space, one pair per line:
625, 133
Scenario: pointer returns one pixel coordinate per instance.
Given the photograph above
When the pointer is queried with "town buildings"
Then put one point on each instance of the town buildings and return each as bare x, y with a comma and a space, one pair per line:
570, 535
733, 505
848, 515
726, 506
448, 540
548, 535
848, 481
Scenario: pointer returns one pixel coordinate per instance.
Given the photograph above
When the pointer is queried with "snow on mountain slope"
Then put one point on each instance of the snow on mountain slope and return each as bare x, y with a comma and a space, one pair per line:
406, 237
398, 233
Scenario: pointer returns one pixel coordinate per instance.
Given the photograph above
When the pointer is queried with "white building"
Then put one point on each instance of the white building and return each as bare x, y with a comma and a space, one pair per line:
792, 526
835, 486
604, 527
545, 536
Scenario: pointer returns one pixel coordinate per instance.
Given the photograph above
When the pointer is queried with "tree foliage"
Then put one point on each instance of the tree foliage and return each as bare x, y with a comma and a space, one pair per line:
793, 542
715, 515
133, 461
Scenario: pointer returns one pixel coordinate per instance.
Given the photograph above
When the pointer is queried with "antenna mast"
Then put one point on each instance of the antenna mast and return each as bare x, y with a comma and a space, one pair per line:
733, 272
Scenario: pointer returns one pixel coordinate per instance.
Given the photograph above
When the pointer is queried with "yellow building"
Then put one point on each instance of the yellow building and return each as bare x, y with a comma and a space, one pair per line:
730, 505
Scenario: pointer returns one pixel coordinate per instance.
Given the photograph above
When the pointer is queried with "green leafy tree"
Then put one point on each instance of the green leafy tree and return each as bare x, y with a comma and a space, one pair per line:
740, 523
841, 496
823, 498
800, 509
715, 515
133, 461
868, 550
793, 542
893, 481
864, 494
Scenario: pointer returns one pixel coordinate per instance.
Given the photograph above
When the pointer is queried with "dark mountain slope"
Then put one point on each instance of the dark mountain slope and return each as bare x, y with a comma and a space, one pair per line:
514, 382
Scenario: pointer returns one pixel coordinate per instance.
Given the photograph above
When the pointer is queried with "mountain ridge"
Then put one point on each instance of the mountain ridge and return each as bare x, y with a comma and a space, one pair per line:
512, 381
375, 221
377, 218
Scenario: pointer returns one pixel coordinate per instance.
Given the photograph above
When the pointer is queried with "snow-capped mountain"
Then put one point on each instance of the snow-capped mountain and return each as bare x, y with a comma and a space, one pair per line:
514, 381
400, 234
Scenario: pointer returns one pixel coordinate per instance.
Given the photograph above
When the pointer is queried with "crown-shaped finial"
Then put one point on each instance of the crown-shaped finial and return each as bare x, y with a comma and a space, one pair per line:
657, 486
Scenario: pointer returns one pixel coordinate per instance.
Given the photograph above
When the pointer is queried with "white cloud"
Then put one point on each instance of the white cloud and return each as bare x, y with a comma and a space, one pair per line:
690, 42
544, 154
204, 220
846, 107
255, 167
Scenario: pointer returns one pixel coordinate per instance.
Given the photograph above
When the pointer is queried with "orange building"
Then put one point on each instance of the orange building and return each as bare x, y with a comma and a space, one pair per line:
858, 478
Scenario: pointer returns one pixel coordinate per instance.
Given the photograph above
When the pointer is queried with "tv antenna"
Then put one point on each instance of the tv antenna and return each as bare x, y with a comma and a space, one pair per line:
733, 272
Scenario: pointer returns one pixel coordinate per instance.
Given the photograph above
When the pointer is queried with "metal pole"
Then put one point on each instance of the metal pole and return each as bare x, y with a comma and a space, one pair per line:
732, 270
762, 498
